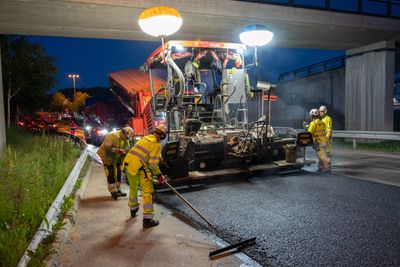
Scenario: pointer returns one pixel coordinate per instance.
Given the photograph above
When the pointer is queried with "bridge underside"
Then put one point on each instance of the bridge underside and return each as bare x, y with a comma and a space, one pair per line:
207, 20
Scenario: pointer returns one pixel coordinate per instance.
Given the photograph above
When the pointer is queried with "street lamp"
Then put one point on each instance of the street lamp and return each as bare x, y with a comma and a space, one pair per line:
259, 35
73, 77
256, 35
160, 21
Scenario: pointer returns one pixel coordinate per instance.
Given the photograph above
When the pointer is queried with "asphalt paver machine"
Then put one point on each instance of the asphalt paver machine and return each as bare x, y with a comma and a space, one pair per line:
205, 102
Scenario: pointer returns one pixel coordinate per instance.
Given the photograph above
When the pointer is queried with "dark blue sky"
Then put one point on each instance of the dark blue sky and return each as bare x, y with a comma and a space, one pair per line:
93, 59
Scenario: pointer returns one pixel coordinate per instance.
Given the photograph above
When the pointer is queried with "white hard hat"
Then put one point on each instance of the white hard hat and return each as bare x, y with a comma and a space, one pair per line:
128, 131
314, 112
162, 128
323, 109
161, 131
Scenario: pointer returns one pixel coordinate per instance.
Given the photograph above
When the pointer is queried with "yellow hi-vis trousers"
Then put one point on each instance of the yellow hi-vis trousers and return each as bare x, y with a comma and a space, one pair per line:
145, 181
329, 149
113, 174
324, 161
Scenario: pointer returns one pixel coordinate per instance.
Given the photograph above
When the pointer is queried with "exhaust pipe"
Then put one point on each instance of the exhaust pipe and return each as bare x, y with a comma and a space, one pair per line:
173, 65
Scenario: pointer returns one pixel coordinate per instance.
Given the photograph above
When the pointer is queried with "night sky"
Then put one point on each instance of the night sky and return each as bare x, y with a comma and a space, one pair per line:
93, 59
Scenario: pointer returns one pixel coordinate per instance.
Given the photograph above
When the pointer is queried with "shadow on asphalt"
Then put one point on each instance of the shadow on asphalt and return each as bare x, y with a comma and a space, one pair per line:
96, 201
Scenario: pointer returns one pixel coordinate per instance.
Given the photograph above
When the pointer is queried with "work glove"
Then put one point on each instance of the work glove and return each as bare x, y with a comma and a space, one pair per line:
120, 152
305, 125
160, 178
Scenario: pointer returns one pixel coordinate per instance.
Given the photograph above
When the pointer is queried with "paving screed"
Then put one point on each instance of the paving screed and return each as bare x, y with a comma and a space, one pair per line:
304, 219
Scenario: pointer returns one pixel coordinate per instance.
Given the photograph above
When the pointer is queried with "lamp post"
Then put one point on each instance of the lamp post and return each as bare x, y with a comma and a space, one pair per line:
73, 77
259, 35
160, 21
256, 35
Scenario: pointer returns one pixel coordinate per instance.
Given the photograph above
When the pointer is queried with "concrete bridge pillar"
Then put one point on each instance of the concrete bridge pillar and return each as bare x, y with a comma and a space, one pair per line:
369, 87
2, 115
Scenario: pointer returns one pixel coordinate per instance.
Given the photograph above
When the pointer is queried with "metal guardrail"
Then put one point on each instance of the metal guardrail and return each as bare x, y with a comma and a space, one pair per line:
313, 69
354, 135
393, 136
53, 212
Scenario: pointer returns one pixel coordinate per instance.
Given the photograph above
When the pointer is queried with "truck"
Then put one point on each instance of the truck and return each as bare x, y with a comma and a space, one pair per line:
131, 87
103, 117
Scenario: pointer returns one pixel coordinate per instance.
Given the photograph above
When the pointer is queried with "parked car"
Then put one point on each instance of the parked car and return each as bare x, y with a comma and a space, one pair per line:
63, 124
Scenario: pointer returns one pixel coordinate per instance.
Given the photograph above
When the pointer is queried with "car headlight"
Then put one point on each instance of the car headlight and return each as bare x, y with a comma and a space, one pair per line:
103, 132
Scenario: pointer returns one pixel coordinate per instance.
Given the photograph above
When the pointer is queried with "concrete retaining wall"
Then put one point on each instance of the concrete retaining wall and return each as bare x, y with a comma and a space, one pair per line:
297, 97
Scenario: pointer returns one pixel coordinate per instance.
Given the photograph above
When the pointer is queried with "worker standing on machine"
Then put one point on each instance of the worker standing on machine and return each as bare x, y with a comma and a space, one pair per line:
317, 129
140, 165
327, 120
114, 147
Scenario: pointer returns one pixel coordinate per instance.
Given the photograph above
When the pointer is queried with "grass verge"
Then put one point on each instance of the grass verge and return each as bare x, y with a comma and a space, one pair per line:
385, 146
32, 171
45, 248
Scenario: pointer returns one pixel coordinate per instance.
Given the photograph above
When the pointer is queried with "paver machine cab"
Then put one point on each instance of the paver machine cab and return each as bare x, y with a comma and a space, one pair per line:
205, 102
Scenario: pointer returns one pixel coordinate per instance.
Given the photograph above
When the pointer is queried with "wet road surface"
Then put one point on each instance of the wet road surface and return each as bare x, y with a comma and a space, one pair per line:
304, 219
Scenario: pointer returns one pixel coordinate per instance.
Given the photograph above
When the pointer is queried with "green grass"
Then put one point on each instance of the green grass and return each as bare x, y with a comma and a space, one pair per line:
32, 171
386, 146
45, 248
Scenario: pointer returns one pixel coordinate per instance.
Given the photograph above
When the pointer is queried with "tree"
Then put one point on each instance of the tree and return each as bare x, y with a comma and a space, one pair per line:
28, 73
79, 100
60, 102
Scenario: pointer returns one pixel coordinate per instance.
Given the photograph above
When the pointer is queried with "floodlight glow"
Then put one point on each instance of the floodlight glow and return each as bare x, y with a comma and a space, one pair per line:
256, 35
160, 21
179, 48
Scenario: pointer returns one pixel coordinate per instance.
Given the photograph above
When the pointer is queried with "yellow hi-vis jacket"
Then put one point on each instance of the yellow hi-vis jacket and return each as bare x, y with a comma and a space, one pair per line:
109, 148
317, 129
146, 153
328, 125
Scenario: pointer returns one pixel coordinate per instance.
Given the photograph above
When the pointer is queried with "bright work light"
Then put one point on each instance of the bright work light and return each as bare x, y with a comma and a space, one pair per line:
160, 21
256, 35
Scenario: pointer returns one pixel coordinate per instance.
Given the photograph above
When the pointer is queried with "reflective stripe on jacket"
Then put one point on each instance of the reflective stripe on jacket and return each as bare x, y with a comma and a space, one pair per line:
317, 129
109, 148
146, 153
328, 125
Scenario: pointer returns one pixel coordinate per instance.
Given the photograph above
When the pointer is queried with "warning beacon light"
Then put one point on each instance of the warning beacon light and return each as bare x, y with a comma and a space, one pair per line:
160, 21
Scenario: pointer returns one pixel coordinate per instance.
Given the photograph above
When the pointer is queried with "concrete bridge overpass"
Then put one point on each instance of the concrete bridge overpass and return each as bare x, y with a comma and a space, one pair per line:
207, 20
203, 19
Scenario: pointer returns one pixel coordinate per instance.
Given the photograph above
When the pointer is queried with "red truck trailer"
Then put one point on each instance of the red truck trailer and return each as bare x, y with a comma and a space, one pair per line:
133, 89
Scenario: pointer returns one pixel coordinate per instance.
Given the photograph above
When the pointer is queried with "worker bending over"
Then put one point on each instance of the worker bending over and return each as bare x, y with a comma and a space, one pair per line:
317, 129
140, 165
323, 112
115, 146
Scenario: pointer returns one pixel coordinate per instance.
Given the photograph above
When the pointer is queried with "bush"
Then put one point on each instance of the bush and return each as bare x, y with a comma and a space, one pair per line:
32, 171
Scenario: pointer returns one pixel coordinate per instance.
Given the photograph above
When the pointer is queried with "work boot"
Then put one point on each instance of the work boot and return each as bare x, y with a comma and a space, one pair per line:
148, 223
120, 193
134, 213
115, 195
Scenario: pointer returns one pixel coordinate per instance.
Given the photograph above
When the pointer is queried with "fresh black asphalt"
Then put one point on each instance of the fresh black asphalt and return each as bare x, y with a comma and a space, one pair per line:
302, 220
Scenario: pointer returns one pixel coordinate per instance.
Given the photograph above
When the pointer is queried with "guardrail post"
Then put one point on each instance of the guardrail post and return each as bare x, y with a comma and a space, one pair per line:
354, 143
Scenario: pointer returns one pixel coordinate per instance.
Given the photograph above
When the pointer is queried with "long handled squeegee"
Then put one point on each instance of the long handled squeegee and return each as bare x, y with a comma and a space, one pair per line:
241, 244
